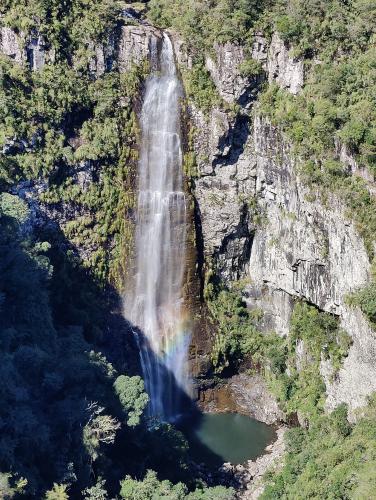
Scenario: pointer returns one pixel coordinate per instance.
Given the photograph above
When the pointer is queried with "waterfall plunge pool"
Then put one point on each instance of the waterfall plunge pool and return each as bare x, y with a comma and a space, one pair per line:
216, 438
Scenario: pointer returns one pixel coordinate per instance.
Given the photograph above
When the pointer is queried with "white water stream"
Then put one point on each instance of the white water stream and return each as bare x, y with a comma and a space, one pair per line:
155, 304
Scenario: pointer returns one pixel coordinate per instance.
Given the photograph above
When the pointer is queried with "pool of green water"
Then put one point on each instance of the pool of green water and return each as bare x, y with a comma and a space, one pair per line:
215, 438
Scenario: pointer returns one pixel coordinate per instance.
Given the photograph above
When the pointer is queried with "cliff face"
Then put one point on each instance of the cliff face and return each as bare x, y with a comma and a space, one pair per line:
308, 249
127, 45
259, 221
23, 49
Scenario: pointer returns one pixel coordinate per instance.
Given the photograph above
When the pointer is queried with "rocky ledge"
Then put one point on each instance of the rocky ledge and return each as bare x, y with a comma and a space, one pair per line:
245, 394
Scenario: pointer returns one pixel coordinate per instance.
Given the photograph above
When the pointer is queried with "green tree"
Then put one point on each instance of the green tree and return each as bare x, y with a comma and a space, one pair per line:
99, 429
58, 492
132, 396
214, 493
150, 488
96, 492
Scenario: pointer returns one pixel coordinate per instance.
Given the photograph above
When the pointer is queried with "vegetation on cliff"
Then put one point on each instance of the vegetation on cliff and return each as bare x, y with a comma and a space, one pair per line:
204, 23
332, 459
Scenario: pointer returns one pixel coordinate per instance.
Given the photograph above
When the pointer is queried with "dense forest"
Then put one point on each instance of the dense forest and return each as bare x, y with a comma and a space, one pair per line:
73, 418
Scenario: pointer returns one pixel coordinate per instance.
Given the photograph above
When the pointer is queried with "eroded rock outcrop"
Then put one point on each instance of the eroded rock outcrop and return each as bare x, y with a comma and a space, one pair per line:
31, 49
225, 71
126, 45
275, 58
37, 52
357, 378
10, 45
281, 66
305, 247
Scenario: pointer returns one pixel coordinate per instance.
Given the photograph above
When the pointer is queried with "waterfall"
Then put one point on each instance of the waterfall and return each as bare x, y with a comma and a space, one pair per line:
156, 303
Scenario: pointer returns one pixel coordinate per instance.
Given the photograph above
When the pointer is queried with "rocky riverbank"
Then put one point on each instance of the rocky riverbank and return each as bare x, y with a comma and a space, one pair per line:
249, 477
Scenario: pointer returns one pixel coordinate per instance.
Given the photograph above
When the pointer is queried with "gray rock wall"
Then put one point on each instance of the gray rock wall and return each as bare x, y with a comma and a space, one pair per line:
306, 248
262, 224
24, 49
127, 45
278, 62
10, 45
137, 43
309, 250
224, 69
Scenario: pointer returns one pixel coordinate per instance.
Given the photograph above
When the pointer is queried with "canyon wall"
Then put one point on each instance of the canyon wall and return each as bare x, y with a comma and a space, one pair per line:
262, 224
259, 222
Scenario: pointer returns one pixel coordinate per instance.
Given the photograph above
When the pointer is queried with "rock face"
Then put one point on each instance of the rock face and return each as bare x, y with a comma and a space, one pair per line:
352, 167
223, 190
243, 394
280, 66
304, 248
259, 221
10, 45
36, 52
127, 45
308, 249
275, 58
32, 49
226, 226
183, 58
294, 247
137, 43
104, 56
356, 379
284, 69
225, 71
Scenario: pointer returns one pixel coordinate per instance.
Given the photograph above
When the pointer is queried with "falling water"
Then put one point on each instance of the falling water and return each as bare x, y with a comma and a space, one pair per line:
156, 304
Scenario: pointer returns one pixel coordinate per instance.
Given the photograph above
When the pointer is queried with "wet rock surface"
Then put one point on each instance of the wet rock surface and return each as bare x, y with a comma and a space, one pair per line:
244, 394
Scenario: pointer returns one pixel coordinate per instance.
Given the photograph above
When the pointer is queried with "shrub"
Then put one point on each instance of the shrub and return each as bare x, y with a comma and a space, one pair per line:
365, 298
